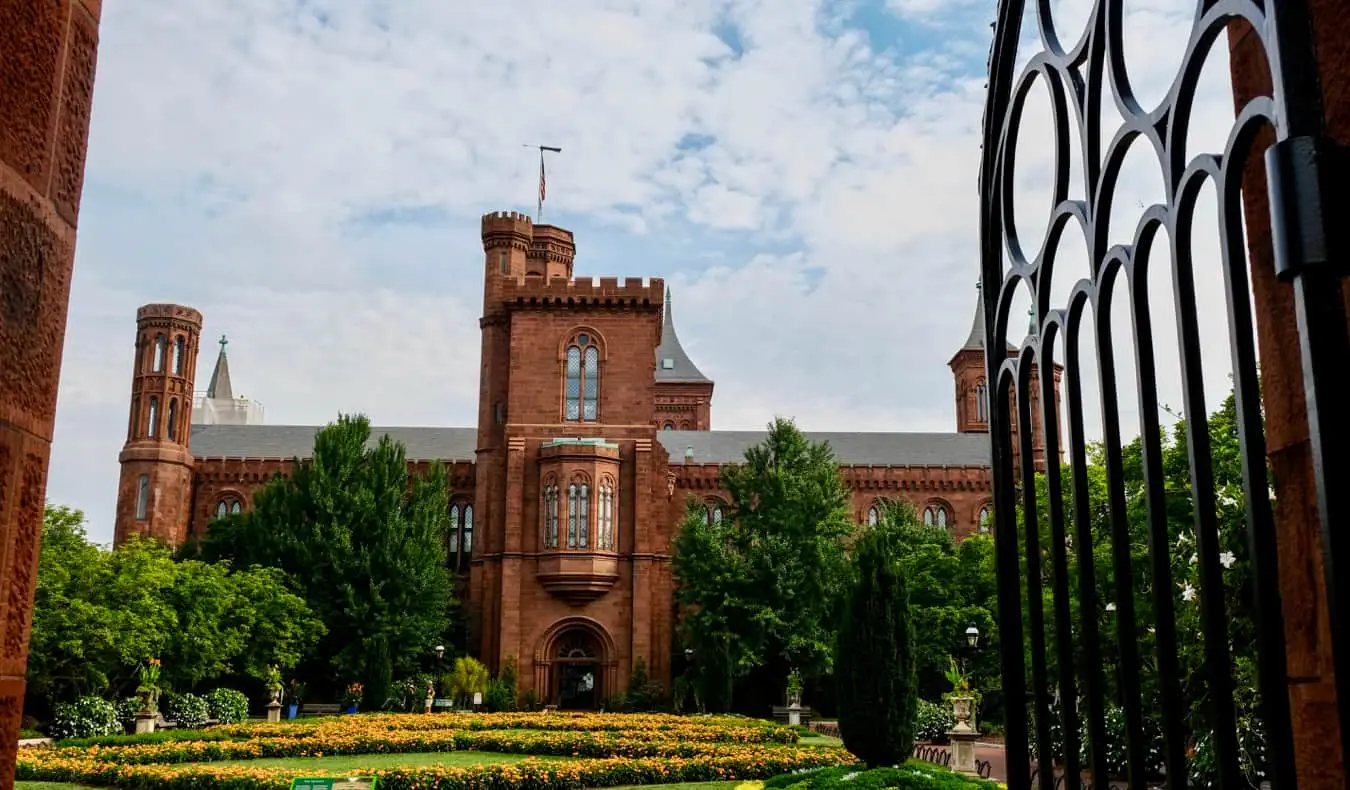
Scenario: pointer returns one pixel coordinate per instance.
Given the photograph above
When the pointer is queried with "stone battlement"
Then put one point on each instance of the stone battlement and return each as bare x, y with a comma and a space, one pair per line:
161, 312
534, 290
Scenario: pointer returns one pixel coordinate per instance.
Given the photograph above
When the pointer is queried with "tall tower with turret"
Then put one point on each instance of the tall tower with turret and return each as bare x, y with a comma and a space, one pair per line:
153, 494
974, 396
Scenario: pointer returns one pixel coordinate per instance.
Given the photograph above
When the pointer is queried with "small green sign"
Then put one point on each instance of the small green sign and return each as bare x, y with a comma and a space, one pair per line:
331, 783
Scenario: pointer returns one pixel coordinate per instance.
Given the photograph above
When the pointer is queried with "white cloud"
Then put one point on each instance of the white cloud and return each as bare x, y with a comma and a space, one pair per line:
820, 192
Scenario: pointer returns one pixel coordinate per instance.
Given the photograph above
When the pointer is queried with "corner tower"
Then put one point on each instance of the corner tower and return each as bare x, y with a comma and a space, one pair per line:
154, 490
683, 393
973, 396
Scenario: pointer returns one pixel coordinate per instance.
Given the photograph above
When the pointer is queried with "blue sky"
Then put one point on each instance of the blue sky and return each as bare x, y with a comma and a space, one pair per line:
309, 174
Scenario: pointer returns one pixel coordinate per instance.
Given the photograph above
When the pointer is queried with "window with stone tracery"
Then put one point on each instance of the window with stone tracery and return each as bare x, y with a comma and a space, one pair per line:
873, 516
578, 515
935, 515
713, 509
551, 515
985, 518
459, 541
227, 506
582, 379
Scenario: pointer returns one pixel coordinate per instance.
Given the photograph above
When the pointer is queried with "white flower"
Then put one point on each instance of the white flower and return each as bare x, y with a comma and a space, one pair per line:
1227, 500
1227, 559
1187, 592
847, 777
1195, 558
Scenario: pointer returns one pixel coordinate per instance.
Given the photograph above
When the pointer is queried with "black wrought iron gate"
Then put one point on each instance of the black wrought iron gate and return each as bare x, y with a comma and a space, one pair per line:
1064, 737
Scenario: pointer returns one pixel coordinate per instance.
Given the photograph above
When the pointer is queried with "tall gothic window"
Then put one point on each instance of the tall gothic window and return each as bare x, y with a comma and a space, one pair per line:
714, 511
935, 515
171, 426
459, 542
873, 516
178, 356
572, 503
605, 536
551, 516
582, 379
143, 497
152, 430
158, 362
981, 401
584, 519
985, 518
229, 506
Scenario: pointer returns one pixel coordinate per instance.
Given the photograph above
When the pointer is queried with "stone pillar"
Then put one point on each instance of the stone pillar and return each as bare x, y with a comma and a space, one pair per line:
274, 711
794, 715
145, 722
963, 737
1312, 691
48, 53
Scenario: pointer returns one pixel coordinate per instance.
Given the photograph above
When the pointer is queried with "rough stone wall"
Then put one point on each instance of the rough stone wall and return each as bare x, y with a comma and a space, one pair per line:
48, 52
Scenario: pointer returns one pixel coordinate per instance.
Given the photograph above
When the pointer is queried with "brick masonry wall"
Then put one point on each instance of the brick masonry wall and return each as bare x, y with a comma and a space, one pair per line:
48, 55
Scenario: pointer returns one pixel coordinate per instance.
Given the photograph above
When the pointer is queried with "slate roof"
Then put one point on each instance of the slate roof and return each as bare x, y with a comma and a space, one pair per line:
975, 340
220, 388
679, 368
716, 447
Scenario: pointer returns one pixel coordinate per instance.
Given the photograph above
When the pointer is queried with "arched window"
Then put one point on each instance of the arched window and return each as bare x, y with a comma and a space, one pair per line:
985, 518
670, 426
605, 536
466, 535
572, 502
935, 515
171, 428
229, 505
981, 401
143, 498
550, 516
459, 543
157, 365
178, 356
873, 516
152, 430
582, 374
584, 519
714, 511
133, 429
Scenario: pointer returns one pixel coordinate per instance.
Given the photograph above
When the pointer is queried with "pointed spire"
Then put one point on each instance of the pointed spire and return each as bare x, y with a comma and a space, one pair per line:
672, 363
219, 388
975, 341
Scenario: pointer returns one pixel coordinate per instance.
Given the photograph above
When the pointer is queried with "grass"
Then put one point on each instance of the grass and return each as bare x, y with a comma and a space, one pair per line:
49, 786
816, 739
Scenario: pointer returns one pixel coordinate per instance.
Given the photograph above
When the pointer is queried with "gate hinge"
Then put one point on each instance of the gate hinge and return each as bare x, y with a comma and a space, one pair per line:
1308, 178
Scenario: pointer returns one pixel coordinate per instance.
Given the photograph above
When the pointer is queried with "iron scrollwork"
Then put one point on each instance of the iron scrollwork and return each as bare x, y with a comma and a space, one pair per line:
1079, 77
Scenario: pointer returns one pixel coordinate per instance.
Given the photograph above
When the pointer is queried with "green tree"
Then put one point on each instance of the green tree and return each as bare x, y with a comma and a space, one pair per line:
874, 665
99, 614
763, 585
363, 541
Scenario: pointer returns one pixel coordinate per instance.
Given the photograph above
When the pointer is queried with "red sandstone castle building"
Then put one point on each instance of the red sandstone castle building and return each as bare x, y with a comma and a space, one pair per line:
594, 431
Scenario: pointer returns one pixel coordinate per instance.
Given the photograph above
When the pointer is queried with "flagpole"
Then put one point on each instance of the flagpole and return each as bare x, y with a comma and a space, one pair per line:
539, 205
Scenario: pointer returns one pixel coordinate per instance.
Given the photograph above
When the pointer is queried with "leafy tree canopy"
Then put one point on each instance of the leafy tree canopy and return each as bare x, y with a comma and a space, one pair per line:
363, 542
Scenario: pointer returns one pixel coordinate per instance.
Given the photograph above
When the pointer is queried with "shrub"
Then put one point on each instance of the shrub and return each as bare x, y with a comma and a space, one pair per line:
644, 694
875, 661
127, 708
227, 706
186, 710
84, 718
933, 721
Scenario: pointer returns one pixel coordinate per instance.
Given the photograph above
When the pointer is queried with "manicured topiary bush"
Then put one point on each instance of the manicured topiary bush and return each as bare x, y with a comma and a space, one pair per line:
227, 706
874, 671
84, 718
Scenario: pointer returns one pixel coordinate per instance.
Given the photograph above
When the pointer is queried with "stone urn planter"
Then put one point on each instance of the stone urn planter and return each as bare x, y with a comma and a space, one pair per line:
147, 699
962, 736
962, 710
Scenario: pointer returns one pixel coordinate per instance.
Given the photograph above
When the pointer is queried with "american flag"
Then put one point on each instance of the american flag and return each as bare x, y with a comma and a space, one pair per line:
542, 181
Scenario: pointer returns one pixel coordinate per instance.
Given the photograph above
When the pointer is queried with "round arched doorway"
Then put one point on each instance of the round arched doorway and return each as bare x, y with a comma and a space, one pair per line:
577, 671
577, 666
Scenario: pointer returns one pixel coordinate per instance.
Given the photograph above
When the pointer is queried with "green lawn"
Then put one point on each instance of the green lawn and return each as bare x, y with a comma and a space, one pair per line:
815, 739
48, 786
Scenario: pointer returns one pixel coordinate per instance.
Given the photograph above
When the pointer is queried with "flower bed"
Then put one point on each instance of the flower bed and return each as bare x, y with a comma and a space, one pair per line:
613, 750
912, 775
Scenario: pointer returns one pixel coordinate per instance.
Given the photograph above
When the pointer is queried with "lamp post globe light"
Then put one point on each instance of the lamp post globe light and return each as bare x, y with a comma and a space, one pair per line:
440, 652
972, 637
